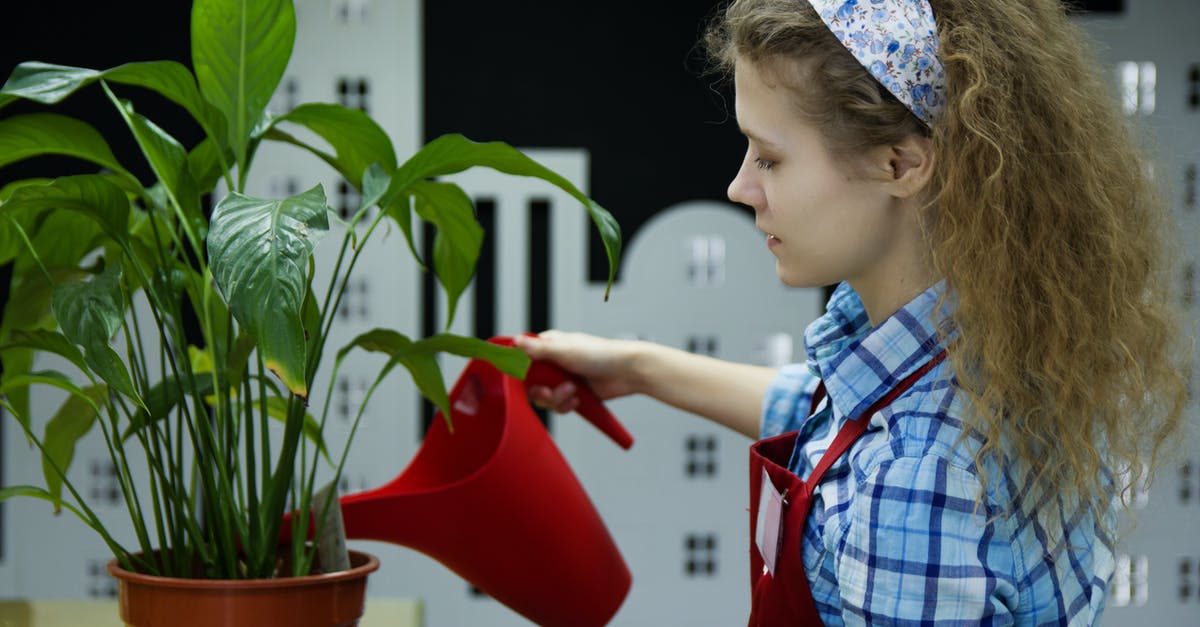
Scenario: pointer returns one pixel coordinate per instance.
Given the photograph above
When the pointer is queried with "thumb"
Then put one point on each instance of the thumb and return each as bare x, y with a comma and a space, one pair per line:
533, 345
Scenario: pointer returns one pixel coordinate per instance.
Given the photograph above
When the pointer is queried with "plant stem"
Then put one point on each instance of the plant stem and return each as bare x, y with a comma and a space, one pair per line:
251, 462
116, 452
275, 495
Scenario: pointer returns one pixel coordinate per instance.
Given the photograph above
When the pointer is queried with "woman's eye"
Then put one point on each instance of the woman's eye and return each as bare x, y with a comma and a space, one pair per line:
764, 164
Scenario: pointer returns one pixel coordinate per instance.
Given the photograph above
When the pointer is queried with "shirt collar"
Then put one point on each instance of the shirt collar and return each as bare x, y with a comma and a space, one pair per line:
860, 363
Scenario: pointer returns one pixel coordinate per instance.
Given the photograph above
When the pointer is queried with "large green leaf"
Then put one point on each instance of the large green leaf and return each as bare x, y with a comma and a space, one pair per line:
399, 208
205, 165
166, 156
420, 358
258, 251
45, 377
453, 153
29, 491
511, 361
175, 82
169, 161
29, 295
423, 366
15, 385
240, 49
73, 420
357, 140
48, 341
37, 134
459, 237
62, 240
44, 82
90, 313
48, 83
12, 224
90, 194
7, 190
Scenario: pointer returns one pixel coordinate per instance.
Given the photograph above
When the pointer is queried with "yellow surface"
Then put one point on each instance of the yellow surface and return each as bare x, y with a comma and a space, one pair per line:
72, 613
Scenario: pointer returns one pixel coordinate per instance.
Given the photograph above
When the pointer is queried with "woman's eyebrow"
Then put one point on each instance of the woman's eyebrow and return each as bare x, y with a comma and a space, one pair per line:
758, 140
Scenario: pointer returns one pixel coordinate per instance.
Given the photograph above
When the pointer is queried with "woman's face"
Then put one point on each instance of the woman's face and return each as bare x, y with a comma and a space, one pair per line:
825, 221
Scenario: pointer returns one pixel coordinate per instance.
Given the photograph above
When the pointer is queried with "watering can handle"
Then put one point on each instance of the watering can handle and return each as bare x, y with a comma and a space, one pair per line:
590, 406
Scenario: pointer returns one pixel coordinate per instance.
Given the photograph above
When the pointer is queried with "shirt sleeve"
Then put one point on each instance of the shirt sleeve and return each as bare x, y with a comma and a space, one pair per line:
915, 550
787, 401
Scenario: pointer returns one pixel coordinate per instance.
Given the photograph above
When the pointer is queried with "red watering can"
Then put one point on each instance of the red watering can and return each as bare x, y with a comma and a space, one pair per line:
496, 503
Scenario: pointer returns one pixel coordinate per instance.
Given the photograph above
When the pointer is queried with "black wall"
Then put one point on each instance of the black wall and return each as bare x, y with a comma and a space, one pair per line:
621, 79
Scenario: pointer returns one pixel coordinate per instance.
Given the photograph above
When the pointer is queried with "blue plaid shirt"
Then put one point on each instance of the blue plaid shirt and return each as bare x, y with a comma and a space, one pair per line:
895, 536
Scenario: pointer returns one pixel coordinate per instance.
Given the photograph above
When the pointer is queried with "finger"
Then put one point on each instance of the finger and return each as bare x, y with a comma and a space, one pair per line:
563, 393
570, 405
534, 346
541, 395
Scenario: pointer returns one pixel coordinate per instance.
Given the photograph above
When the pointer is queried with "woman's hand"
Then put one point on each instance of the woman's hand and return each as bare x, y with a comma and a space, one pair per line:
727, 393
606, 364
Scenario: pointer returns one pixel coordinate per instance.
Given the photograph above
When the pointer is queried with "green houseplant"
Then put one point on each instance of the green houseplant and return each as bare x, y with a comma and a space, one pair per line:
239, 331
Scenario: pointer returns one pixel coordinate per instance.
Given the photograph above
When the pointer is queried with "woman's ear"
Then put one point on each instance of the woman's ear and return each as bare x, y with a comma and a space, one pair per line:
910, 162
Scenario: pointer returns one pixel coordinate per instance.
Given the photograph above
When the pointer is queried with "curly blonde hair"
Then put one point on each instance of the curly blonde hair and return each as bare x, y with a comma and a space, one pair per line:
1043, 221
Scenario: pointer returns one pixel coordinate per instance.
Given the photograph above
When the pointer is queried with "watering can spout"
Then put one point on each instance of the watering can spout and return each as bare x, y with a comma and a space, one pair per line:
496, 502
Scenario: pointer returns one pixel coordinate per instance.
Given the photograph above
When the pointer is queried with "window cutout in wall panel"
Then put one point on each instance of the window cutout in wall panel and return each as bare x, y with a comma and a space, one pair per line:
1138, 83
706, 260
1147, 87
354, 93
354, 306
1187, 482
700, 555
700, 456
775, 350
284, 186
1188, 292
1188, 584
1130, 583
349, 201
540, 278
104, 488
1189, 187
350, 392
99, 584
430, 324
349, 484
350, 12
286, 96
1194, 88
1136, 496
702, 345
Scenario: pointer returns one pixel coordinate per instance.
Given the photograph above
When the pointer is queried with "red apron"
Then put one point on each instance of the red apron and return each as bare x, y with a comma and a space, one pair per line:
784, 598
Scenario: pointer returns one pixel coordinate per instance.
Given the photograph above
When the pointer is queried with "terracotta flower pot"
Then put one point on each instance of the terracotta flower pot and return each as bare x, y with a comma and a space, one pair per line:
326, 600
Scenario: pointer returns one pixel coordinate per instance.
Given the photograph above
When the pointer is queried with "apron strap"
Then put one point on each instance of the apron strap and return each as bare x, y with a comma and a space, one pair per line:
853, 429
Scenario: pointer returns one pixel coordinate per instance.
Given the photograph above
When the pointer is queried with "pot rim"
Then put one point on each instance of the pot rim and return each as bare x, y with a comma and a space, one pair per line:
362, 564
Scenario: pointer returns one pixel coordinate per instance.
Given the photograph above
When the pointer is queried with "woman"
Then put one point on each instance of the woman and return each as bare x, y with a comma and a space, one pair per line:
999, 357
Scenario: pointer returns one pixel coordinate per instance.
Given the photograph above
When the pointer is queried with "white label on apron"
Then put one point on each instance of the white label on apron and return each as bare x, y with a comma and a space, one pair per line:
770, 522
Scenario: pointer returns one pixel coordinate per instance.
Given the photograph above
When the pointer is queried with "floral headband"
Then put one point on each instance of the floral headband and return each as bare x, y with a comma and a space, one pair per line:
896, 41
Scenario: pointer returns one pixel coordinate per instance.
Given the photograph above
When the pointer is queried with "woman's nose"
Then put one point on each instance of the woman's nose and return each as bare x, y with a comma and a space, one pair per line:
744, 189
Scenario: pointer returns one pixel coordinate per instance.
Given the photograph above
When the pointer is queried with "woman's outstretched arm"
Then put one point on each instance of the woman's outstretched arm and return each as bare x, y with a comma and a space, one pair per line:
730, 394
